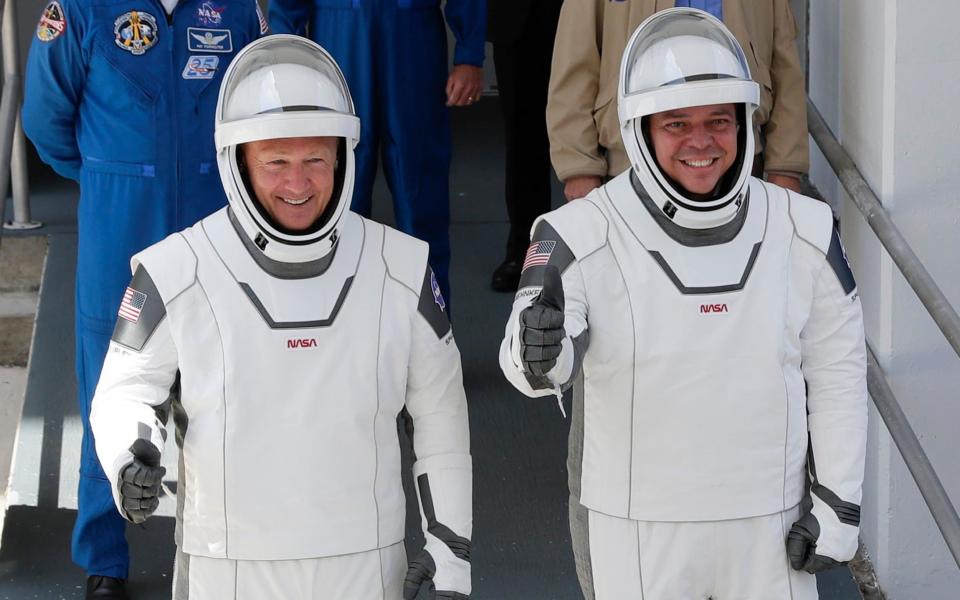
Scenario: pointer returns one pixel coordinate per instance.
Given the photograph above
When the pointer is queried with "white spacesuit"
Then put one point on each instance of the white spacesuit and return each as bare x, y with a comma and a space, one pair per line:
290, 355
704, 338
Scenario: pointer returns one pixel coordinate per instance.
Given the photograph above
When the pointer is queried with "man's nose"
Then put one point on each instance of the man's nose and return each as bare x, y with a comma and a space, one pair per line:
700, 137
297, 179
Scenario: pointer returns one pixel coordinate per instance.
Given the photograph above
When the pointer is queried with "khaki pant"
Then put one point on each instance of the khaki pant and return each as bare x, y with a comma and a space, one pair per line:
372, 575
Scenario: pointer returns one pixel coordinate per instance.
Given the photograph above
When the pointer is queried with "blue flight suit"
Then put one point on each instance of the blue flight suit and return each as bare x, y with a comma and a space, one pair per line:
394, 56
121, 97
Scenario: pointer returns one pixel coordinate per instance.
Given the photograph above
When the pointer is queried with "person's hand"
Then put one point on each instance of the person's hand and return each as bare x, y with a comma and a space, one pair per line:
580, 186
464, 85
812, 549
140, 482
541, 326
420, 574
785, 181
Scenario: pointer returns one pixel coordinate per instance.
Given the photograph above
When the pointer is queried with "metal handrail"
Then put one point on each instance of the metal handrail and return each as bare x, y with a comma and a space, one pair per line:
900, 251
943, 511
936, 498
13, 155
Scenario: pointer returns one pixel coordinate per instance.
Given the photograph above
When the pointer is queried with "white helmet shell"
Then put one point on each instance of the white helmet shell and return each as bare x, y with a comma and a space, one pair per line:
678, 58
285, 86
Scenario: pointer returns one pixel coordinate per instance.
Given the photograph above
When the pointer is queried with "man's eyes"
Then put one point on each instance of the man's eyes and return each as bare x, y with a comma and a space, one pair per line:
282, 162
715, 124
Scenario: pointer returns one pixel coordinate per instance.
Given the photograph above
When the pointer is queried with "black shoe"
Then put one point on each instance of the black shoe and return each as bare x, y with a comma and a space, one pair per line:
506, 277
101, 587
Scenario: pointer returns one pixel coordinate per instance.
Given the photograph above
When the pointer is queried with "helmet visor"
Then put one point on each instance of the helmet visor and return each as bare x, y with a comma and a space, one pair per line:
284, 86
682, 57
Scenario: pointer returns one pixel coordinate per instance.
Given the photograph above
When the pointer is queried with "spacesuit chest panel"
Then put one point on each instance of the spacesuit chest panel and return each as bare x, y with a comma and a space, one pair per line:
305, 381
701, 380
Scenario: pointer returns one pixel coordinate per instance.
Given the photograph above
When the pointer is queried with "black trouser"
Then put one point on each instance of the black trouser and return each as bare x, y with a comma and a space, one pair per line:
523, 74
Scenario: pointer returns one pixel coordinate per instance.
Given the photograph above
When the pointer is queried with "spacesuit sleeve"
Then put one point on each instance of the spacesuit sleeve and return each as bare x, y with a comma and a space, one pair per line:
53, 90
132, 398
443, 471
468, 22
546, 240
834, 366
290, 16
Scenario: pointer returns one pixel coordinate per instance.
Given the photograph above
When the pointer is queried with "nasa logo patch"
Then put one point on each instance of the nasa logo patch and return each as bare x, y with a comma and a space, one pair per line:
135, 32
201, 67
52, 22
209, 13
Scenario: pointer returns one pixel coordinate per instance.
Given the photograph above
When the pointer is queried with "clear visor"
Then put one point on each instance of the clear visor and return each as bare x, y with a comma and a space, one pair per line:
681, 46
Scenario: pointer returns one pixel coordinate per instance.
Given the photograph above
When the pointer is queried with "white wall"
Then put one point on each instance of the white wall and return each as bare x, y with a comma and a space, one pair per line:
883, 73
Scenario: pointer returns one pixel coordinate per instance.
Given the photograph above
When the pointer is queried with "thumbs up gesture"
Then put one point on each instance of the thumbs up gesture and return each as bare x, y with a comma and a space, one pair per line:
541, 326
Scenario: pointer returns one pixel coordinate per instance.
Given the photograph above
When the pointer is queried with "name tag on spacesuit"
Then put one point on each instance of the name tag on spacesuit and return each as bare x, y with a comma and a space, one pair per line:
209, 40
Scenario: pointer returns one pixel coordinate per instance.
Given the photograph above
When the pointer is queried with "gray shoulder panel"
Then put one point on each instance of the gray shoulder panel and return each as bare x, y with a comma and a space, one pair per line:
432, 305
141, 310
837, 259
546, 248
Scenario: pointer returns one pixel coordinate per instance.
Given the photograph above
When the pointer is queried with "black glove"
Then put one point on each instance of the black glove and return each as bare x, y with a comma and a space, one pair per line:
420, 574
140, 482
802, 546
541, 326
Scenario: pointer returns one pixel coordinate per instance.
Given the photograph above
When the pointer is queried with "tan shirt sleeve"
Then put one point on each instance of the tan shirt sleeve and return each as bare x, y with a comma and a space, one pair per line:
787, 146
574, 83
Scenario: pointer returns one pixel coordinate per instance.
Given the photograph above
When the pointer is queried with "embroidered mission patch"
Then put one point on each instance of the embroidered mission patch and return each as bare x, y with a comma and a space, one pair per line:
135, 32
52, 22
437, 294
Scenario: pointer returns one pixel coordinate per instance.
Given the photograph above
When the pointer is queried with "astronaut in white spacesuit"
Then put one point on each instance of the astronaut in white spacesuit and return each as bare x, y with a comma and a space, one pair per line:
285, 334
687, 304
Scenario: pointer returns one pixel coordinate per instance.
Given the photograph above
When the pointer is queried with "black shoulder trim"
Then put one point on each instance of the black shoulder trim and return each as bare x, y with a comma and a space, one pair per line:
141, 310
460, 546
432, 305
837, 259
558, 255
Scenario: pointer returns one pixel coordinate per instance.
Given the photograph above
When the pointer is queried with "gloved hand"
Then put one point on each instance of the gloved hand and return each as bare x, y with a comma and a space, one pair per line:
420, 574
140, 482
821, 540
541, 326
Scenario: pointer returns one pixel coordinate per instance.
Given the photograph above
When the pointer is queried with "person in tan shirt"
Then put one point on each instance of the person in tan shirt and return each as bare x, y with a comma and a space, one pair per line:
585, 143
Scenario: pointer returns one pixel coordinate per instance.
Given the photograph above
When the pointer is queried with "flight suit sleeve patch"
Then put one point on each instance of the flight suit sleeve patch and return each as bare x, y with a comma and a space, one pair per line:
432, 305
546, 248
141, 310
52, 23
837, 258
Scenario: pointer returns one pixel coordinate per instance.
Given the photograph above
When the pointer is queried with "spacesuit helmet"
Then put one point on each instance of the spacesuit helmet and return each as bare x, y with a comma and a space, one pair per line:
285, 86
684, 58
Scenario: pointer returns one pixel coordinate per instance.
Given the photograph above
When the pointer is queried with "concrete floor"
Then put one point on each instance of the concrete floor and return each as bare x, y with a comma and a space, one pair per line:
519, 445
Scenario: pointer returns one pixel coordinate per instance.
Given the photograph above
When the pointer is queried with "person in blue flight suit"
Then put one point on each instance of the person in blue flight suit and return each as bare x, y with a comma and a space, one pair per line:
394, 56
120, 96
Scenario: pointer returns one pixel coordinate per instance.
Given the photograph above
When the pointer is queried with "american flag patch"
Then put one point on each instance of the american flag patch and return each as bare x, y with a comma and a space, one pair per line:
538, 254
132, 304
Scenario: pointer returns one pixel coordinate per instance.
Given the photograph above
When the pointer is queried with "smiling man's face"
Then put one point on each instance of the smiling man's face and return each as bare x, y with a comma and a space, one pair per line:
695, 146
292, 178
